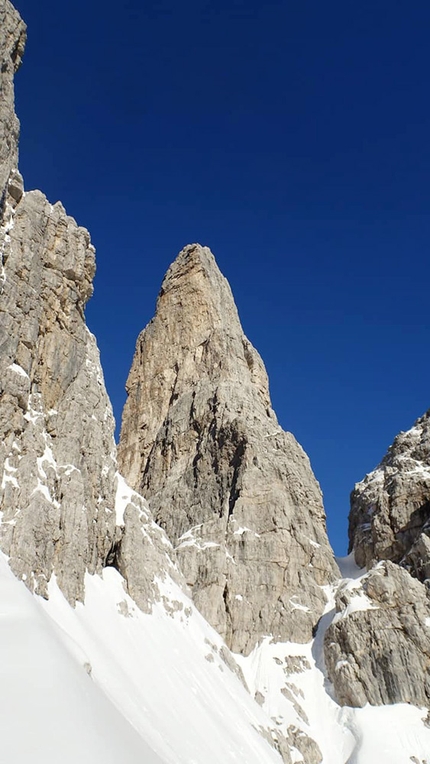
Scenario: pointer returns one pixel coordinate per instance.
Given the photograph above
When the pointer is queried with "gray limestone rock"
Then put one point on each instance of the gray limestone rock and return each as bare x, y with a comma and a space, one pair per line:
12, 42
377, 649
390, 507
56, 422
234, 492
63, 508
141, 551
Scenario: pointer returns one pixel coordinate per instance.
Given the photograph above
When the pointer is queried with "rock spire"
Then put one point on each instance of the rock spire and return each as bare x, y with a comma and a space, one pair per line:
234, 492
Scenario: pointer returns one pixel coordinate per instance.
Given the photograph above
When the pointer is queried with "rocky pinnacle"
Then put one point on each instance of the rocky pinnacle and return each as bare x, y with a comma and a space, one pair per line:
234, 492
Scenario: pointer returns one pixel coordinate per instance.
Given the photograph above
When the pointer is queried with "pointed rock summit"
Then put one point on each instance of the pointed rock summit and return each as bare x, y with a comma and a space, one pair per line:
234, 492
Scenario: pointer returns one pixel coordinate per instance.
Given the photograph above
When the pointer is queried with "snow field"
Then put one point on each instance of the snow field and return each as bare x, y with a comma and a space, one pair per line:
50, 710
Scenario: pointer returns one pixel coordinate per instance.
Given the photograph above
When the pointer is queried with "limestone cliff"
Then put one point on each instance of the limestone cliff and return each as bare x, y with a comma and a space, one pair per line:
234, 492
12, 42
65, 512
63, 509
378, 647
390, 508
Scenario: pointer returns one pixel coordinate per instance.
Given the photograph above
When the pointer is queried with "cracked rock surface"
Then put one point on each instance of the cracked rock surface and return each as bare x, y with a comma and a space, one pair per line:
12, 43
63, 508
377, 649
235, 493
56, 422
390, 507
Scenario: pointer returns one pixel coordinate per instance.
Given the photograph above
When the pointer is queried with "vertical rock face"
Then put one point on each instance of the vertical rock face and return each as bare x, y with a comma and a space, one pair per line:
12, 41
57, 458
234, 492
63, 509
377, 649
390, 508
57, 449
378, 646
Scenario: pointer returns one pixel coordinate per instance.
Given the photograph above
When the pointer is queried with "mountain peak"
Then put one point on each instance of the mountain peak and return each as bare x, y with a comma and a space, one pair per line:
200, 440
195, 300
192, 259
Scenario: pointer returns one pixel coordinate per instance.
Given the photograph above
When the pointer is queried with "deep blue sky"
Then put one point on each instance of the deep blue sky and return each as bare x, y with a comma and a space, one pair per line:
292, 137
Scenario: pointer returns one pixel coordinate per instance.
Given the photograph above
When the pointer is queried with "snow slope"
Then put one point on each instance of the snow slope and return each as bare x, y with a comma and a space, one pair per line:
50, 710
164, 672
292, 680
105, 682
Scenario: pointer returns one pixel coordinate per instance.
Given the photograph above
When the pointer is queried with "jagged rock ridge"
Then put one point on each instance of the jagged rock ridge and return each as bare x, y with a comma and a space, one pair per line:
390, 508
378, 646
234, 492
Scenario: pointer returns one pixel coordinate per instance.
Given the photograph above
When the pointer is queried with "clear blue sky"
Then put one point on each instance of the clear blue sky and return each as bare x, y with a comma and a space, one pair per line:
291, 137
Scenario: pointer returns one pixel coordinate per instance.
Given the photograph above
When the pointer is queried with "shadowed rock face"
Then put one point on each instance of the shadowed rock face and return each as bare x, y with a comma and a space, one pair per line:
234, 492
390, 508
